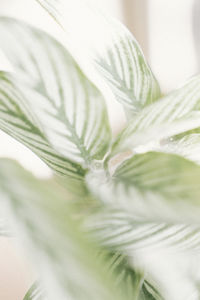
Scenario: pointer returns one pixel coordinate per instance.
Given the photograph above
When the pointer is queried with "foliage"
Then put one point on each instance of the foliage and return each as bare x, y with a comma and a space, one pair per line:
120, 218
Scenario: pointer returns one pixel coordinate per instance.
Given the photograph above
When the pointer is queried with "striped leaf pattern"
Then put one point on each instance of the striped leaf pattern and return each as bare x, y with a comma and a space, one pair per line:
66, 260
149, 292
35, 293
123, 231
71, 111
151, 208
16, 119
115, 53
136, 286
176, 113
126, 71
161, 179
153, 185
149, 203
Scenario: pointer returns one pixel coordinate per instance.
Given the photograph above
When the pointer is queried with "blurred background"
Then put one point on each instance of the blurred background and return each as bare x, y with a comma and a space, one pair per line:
169, 34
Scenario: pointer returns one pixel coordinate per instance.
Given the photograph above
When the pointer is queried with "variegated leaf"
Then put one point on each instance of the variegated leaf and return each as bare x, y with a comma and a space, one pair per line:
35, 293
72, 110
111, 49
66, 260
176, 113
152, 213
152, 185
124, 231
18, 120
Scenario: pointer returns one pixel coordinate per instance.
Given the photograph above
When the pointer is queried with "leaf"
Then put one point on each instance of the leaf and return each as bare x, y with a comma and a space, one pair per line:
121, 230
187, 146
151, 212
71, 112
176, 113
34, 293
67, 261
149, 292
152, 185
16, 119
135, 285
110, 48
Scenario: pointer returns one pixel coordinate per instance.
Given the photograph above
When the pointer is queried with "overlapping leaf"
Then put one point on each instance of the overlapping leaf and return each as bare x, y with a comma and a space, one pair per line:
157, 180
113, 50
71, 111
153, 203
66, 260
176, 113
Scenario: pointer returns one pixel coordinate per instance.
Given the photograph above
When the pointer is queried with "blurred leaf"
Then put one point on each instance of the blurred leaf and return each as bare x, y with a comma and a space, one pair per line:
121, 230
66, 260
151, 207
115, 53
176, 113
152, 185
35, 293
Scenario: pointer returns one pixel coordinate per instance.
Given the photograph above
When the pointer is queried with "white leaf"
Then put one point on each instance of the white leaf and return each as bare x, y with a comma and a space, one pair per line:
71, 112
18, 120
65, 259
109, 47
150, 211
154, 186
176, 113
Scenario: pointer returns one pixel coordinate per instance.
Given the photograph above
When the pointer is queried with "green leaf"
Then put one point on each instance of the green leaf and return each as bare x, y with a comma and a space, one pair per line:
18, 120
123, 231
35, 293
152, 185
176, 113
115, 53
149, 292
151, 207
71, 113
67, 261
135, 285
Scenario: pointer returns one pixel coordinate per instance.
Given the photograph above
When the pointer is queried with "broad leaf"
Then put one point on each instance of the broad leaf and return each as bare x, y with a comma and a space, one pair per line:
66, 260
18, 120
176, 113
124, 231
156, 247
152, 214
153, 185
187, 146
72, 111
136, 286
111, 49
35, 293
